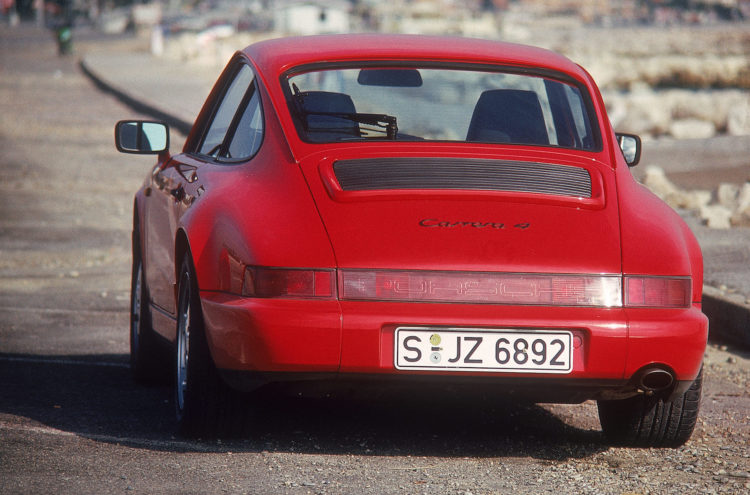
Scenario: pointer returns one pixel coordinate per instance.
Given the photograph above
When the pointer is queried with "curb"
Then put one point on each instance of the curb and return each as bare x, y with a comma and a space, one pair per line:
728, 317
728, 314
137, 104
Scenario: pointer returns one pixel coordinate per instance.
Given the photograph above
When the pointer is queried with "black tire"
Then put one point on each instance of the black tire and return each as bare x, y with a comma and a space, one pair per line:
649, 421
146, 359
205, 407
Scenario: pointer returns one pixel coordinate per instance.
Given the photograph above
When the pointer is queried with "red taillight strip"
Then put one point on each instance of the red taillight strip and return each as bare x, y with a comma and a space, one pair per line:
481, 288
657, 292
289, 282
607, 291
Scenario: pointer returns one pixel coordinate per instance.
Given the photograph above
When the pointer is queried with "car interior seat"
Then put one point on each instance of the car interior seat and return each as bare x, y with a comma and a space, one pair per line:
316, 108
508, 116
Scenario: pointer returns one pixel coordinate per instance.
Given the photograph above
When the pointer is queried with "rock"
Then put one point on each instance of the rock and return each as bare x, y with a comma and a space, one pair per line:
738, 119
114, 21
636, 121
709, 105
716, 216
741, 215
692, 129
743, 198
727, 195
692, 200
646, 111
656, 180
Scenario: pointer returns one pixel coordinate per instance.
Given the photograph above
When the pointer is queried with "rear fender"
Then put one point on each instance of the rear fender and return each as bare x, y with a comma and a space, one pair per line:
655, 240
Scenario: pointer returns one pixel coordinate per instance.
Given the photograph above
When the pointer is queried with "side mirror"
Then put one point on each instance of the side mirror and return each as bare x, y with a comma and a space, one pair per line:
630, 144
141, 137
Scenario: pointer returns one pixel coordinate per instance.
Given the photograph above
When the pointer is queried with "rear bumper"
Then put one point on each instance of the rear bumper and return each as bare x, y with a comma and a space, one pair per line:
256, 341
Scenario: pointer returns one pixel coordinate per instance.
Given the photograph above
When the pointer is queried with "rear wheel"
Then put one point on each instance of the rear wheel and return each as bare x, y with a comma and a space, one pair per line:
204, 405
644, 421
146, 361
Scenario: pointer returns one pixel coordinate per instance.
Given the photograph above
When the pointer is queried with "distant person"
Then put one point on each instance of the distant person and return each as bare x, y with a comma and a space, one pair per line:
63, 26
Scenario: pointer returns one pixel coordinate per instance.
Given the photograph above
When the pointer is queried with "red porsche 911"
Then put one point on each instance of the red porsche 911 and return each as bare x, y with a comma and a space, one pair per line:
412, 211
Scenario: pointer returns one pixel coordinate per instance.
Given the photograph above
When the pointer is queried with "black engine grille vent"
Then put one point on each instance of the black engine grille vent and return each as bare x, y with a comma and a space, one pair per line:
470, 174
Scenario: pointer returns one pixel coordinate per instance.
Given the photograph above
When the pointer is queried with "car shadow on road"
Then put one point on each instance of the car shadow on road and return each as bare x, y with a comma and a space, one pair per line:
94, 397
421, 424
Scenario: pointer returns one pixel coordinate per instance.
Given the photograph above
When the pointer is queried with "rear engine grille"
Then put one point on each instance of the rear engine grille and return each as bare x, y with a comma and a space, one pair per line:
471, 174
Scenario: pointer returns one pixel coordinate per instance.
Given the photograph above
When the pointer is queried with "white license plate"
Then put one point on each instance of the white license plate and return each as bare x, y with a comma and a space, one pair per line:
538, 351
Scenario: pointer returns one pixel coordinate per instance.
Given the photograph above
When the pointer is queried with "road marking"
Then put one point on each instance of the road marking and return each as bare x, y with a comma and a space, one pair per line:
67, 362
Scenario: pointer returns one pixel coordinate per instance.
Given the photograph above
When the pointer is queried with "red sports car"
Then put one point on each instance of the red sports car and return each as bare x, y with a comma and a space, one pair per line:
414, 211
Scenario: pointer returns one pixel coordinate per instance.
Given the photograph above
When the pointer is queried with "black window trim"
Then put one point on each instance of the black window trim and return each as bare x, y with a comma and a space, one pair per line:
234, 125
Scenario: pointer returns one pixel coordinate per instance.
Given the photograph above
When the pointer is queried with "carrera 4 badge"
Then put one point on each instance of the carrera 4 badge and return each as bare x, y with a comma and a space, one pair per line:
433, 222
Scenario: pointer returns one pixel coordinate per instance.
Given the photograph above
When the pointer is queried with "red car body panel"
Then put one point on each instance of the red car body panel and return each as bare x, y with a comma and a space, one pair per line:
665, 245
285, 208
402, 229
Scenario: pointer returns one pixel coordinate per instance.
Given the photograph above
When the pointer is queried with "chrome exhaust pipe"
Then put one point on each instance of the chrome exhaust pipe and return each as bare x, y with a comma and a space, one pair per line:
654, 380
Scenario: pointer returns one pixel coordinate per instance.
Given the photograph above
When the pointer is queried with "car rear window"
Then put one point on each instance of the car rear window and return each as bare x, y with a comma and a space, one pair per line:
440, 104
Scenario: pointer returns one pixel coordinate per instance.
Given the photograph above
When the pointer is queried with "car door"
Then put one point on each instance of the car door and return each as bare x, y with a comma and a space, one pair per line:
232, 135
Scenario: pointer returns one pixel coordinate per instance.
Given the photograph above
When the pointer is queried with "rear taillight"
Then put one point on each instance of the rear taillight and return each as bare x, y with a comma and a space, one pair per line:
288, 282
487, 288
657, 292
608, 291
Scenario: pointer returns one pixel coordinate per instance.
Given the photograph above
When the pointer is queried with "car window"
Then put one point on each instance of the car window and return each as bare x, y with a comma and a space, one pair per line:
248, 134
236, 130
441, 104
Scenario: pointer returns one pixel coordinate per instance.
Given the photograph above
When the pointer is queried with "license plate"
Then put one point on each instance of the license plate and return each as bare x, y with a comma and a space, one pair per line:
538, 351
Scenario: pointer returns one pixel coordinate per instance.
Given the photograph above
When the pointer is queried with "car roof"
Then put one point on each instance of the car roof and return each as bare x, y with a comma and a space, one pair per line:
273, 57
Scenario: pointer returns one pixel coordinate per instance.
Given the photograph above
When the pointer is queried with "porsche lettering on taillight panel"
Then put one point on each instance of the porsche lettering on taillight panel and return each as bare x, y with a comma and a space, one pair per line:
482, 288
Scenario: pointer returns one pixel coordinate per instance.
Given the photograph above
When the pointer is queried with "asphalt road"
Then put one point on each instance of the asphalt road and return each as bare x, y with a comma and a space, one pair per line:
72, 421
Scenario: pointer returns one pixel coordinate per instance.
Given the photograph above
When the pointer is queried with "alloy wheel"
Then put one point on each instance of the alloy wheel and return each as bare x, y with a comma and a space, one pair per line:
183, 345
